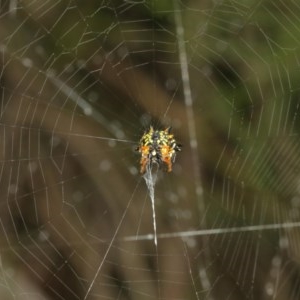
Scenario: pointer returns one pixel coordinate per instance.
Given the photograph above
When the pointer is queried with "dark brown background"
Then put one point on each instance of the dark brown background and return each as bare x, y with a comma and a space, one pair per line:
69, 182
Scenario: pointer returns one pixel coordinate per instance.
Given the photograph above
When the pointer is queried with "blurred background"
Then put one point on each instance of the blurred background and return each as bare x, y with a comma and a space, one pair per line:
80, 83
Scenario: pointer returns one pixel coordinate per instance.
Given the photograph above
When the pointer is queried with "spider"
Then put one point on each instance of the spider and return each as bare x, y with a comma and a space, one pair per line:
158, 146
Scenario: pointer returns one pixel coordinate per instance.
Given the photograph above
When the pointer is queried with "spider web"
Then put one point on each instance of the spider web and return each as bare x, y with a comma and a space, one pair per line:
80, 83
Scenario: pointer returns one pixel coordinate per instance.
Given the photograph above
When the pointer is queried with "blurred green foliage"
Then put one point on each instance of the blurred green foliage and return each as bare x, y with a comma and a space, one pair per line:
80, 77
